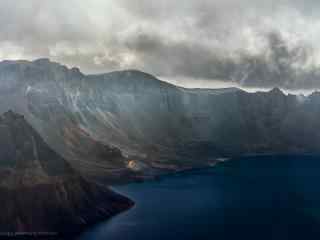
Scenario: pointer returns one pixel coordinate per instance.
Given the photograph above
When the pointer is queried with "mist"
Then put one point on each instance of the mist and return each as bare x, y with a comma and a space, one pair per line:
240, 42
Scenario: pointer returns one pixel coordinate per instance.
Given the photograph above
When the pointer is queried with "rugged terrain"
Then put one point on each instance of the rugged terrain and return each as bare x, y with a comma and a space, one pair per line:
156, 125
40, 193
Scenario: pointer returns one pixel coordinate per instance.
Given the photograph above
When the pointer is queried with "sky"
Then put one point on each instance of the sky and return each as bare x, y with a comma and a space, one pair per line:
250, 43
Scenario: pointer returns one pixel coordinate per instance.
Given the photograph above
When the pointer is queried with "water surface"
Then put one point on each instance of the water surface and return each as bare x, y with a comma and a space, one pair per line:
266, 197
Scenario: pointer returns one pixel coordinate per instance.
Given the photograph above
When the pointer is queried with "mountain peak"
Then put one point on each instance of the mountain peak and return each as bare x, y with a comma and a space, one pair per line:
11, 115
133, 79
276, 91
131, 73
42, 61
22, 148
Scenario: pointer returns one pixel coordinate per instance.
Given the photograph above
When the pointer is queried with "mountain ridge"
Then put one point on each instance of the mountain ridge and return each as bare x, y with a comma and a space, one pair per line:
154, 124
39, 190
47, 62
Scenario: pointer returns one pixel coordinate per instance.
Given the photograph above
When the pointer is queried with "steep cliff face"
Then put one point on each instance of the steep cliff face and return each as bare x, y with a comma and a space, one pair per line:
42, 91
177, 127
153, 123
39, 191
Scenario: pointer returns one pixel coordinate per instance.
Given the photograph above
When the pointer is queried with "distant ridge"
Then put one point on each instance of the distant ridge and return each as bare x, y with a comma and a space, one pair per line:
121, 74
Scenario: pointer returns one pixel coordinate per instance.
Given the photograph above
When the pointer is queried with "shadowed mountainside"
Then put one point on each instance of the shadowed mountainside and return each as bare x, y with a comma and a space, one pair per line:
39, 190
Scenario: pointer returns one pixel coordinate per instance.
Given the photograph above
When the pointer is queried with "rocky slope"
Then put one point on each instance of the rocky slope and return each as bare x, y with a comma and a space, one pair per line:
155, 124
40, 192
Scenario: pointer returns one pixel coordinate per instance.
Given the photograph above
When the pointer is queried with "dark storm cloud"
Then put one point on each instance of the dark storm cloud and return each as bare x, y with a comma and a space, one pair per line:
250, 42
278, 65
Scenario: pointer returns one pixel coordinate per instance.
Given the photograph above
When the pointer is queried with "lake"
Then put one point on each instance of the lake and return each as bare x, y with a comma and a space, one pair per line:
265, 197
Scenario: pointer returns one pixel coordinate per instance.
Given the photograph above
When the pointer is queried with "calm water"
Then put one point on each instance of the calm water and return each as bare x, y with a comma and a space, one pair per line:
248, 198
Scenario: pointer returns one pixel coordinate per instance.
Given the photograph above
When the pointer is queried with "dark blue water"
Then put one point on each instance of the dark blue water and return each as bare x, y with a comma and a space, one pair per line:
248, 198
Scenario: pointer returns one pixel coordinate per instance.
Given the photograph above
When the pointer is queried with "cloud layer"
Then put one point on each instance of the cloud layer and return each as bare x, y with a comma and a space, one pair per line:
248, 42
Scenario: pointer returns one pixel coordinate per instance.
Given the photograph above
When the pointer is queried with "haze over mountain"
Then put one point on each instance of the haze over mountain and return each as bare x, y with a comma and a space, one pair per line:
118, 124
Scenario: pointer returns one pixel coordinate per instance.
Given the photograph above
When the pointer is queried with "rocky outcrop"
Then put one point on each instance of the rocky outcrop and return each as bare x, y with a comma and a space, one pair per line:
40, 192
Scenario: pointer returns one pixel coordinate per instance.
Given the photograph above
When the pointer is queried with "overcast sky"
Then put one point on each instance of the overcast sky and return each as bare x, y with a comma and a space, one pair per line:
248, 42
